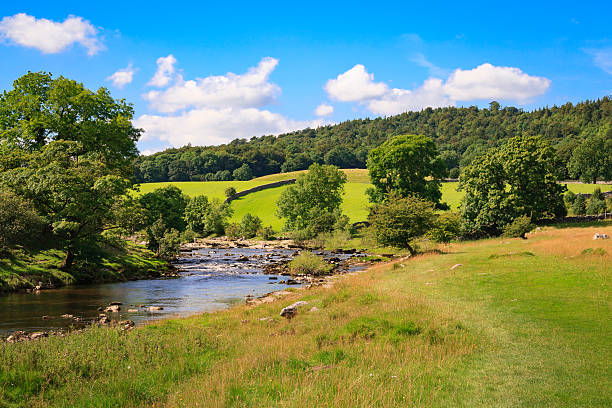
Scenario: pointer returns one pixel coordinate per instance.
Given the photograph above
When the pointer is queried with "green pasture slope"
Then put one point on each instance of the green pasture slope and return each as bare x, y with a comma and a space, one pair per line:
355, 205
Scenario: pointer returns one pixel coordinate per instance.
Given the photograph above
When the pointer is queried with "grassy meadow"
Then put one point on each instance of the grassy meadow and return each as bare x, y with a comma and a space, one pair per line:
355, 205
519, 323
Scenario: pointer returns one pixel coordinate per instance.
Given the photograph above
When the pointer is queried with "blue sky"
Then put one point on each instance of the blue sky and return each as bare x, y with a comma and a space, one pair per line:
308, 64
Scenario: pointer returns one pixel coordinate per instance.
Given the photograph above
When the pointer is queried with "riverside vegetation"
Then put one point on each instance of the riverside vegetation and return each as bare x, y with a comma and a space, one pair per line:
518, 323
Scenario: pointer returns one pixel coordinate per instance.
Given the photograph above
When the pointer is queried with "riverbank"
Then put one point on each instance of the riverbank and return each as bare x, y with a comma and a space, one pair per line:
22, 269
499, 322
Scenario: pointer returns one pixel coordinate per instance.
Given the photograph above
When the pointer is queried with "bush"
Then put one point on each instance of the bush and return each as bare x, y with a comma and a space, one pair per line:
308, 263
454, 173
569, 199
230, 191
596, 206
250, 225
266, 233
233, 231
579, 206
518, 228
398, 221
188, 236
19, 222
446, 227
169, 244
333, 240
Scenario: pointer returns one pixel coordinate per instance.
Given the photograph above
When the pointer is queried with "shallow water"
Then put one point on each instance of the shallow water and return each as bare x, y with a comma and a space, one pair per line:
209, 279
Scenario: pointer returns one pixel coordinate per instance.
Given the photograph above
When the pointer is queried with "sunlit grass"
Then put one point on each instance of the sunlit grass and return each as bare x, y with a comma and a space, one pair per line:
520, 323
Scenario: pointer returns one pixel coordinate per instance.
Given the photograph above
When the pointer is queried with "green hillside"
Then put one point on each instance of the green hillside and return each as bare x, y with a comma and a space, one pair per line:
355, 205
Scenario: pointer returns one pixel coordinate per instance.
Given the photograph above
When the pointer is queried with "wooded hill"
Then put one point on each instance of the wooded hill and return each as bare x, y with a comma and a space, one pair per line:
461, 134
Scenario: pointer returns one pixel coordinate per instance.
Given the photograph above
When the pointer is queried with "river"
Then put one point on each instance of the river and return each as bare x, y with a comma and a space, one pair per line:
209, 279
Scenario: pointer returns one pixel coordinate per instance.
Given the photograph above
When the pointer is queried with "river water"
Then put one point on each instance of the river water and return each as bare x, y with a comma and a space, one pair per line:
209, 279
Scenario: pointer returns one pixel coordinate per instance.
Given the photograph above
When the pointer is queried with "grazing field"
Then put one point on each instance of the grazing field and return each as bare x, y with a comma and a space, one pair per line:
355, 205
519, 323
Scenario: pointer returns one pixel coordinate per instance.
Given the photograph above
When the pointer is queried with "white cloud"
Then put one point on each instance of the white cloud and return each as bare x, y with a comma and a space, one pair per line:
490, 82
165, 70
217, 109
430, 94
50, 37
355, 85
207, 126
324, 110
122, 77
602, 58
483, 82
250, 89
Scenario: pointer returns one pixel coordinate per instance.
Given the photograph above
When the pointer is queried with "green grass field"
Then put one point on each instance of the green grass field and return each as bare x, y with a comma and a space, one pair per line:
521, 323
355, 205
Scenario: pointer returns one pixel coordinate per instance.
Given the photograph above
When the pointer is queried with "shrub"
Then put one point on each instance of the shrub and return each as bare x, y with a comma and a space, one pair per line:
454, 173
188, 236
250, 225
230, 191
195, 213
308, 263
579, 206
169, 244
233, 231
569, 198
518, 228
596, 206
446, 227
19, 222
266, 233
398, 221
333, 240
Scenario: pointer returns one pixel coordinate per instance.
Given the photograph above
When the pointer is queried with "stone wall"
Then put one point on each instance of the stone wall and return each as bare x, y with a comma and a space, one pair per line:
258, 188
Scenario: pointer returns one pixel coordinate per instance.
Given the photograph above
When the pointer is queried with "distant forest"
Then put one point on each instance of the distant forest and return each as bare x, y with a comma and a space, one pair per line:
461, 134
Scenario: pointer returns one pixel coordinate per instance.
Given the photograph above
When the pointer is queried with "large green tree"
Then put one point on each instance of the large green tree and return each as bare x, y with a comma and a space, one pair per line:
592, 159
69, 152
312, 204
406, 165
518, 179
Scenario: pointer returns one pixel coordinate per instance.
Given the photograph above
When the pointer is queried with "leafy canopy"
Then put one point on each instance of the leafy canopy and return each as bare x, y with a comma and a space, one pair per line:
313, 203
518, 179
406, 165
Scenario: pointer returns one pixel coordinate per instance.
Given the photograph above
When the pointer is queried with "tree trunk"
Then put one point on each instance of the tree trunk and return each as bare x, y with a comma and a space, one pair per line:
410, 249
68, 260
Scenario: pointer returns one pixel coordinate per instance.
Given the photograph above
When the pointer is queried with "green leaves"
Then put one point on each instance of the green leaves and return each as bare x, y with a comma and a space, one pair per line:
518, 179
405, 165
313, 202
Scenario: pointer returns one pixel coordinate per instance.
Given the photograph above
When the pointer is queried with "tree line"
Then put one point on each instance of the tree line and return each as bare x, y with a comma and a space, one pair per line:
576, 132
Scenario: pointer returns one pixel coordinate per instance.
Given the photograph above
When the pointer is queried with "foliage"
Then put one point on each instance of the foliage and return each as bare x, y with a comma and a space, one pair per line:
250, 225
517, 179
216, 217
406, 165
461, 133
447, 226
243, 173
19, 222
518, 228
307, 263
312, 204
233, 231
399, 220
266, 233
596, 206
195, 213
569, 198
334, 240
592, 159
169, 204
169, 244
69, 152
579, 205
230, 191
